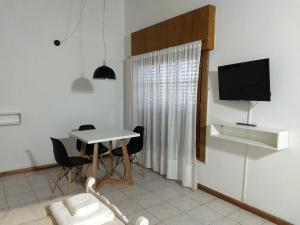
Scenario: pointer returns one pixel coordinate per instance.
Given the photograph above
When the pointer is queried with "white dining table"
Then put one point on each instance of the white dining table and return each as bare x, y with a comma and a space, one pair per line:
97, 136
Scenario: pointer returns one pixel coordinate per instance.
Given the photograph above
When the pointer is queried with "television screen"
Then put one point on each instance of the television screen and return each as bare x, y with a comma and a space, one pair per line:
248, 81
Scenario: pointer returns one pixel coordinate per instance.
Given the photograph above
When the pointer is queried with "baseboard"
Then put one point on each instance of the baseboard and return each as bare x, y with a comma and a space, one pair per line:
28, 169
244, 206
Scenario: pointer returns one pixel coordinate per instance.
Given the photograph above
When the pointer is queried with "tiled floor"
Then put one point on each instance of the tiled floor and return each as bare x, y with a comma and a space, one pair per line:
162, 201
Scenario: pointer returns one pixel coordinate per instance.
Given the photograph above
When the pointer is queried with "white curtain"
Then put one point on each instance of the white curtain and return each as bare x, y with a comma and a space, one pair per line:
164, 102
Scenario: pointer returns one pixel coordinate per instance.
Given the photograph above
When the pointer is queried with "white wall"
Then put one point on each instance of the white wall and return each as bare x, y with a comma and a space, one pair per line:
36, 77
247, 30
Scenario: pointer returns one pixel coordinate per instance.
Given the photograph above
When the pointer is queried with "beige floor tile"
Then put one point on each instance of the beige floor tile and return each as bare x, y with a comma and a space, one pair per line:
167, 194
148, 175
245, 218
152, 219
107, 188
3, 204
114, 186
35, 176
166, 182
182, 219
15, 181
39, 178
14, 177
115, 196
134, 190
46, 194
129, 207
184, 203
148, 200
2, 193
141, 180
201, 196
40, 184
205, 215
1, 184
269, 223
222, 207
52, 175
152, 185
21, 200
225, 221
179, 188
154, 175
74, 189
19, 189
164, 211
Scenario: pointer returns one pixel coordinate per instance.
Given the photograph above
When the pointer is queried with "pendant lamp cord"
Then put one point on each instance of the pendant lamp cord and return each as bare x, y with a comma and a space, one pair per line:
68, 36
103, 30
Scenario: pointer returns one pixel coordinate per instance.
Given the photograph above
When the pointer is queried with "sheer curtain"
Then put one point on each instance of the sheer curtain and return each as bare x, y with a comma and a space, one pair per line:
164, 102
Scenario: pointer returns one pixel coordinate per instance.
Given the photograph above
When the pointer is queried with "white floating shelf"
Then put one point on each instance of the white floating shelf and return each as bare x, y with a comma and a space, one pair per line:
268, 138
10, 118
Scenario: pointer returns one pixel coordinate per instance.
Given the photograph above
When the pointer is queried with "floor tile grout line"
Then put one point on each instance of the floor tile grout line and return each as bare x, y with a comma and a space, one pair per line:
202, 204
146, 208
167, 201
232, 218
29, 183
223, 218
158, 218
4, 192
14, 194
206, 204
209, 208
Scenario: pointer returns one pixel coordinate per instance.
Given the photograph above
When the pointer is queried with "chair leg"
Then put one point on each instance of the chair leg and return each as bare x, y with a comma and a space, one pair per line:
140, 166
85, 170
102, 162
57, 179
69, 181
112, 167
134, 159
77, 172
82, 173
118, 161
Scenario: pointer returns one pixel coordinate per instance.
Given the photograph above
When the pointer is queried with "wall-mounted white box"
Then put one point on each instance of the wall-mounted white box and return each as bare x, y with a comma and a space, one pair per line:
10, 118
268, 138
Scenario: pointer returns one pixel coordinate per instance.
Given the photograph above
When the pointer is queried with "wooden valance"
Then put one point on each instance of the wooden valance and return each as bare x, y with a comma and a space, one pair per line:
195, 25
192, 26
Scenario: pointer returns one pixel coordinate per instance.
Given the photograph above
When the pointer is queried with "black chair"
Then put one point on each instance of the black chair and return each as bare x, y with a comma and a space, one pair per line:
67, 163
89, 148
134, 146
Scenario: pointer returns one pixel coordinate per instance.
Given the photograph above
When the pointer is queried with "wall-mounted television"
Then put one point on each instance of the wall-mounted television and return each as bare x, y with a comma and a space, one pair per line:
249, 81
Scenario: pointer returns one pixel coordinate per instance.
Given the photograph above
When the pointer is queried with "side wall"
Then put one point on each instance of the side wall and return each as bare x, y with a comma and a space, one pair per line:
247, 30
42, 81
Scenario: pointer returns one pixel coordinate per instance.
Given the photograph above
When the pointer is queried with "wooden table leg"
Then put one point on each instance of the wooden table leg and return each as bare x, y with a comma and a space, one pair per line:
112, 164
82, 153
95, 160
127, 180
126, 162
82, 149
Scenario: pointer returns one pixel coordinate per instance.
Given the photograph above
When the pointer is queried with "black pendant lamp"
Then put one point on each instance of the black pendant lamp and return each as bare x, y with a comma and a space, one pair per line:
104, 72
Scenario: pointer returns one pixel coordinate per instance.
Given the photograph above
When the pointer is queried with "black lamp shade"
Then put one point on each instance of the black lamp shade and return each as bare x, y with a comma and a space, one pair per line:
104, 72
